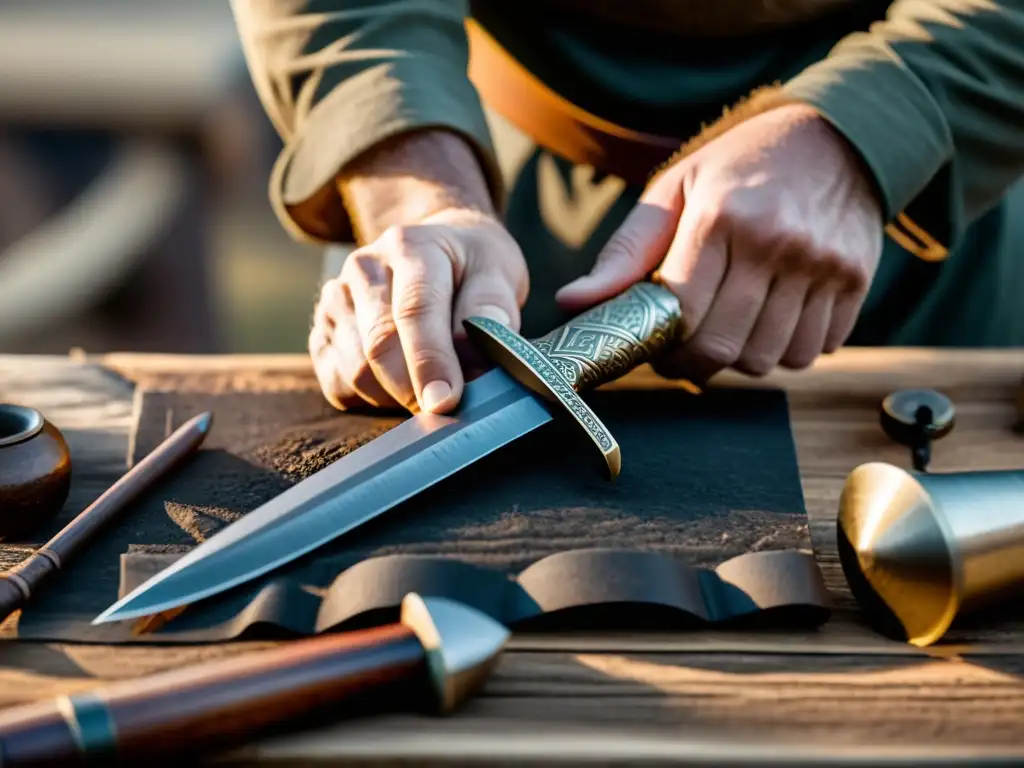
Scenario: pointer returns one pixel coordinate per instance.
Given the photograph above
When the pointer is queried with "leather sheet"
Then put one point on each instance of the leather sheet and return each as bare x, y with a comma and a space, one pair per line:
705, 525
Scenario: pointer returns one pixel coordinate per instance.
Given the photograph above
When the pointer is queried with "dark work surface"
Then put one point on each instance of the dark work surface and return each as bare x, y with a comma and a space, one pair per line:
705, 479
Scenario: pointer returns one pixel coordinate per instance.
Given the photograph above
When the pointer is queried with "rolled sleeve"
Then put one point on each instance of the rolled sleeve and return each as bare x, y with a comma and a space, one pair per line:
336, 81
932, 98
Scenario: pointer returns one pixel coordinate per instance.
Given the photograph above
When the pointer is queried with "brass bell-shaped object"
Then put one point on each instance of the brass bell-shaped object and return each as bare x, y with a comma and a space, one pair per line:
918, 549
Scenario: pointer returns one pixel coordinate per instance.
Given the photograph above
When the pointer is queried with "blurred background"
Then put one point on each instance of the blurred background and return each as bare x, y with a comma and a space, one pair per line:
134, 158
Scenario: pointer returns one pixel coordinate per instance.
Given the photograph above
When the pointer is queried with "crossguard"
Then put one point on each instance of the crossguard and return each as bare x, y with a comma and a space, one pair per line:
603, 344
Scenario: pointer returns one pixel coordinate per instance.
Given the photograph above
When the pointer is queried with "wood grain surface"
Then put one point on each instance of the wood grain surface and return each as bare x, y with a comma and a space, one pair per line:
708, 698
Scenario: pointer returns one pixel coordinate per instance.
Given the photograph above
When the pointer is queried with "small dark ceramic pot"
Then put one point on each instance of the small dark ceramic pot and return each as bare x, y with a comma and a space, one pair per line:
35, 471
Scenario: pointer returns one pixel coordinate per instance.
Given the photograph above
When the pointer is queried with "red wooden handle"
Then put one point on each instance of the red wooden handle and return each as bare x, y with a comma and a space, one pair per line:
210, 706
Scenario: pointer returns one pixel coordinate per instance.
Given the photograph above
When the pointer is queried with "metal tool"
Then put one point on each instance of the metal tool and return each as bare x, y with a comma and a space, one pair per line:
535, 380
439, 648
919, 549
18, 584
916, 418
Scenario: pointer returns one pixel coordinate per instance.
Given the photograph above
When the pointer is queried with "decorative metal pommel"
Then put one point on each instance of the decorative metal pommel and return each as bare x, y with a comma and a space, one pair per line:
599, 346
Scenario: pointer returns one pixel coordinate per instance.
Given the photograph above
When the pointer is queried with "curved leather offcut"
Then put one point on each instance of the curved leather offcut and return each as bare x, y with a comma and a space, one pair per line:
596, 589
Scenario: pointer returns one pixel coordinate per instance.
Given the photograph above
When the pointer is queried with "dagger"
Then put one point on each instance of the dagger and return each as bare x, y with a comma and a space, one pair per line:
534, 381
440, 652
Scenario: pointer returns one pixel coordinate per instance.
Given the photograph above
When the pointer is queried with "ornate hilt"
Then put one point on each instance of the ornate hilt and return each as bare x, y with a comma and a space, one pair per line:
603, 344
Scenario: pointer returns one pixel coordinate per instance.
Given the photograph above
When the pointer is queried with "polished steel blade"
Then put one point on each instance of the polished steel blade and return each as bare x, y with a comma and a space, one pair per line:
416, 454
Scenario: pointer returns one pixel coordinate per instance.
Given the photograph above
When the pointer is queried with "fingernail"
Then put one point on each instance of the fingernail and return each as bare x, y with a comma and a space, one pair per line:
435, 393
494, 313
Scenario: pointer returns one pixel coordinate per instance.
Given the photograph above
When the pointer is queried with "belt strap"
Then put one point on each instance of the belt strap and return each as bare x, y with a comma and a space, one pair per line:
555, 123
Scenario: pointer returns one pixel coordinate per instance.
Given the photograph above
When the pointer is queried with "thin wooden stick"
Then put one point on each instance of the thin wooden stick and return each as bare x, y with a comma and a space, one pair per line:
19, 584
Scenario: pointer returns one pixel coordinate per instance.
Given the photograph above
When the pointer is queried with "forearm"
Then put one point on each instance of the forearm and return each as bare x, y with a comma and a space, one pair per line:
409, 177
376, 94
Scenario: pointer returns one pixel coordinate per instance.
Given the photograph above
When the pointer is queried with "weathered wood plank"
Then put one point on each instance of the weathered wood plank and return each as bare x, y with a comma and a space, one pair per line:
842, 690
474, 740
803, 699
785, 698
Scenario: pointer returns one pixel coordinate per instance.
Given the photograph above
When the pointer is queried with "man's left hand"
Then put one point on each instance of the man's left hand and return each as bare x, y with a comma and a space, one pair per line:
770, 235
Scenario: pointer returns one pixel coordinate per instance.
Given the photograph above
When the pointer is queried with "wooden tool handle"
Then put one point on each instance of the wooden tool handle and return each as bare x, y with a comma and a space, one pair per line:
181, 443
11, 598
19, 584
212, 706
610, 340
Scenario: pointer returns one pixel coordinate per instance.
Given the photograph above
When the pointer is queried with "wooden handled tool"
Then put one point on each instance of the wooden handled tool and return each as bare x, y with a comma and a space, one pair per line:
18, 584
439, 648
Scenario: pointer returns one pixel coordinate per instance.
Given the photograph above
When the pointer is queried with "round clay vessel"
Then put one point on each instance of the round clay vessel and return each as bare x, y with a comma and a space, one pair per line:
35, 471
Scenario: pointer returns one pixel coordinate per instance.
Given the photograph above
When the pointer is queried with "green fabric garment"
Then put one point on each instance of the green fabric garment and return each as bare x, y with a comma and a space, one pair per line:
930, 92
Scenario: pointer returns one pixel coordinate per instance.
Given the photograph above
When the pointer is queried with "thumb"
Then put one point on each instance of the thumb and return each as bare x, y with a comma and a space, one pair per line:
636, 249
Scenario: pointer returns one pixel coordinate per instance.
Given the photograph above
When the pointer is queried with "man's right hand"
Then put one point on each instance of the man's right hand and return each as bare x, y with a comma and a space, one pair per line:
387, 329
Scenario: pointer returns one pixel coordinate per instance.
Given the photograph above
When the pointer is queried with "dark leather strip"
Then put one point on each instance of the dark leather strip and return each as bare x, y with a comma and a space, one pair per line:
603, 589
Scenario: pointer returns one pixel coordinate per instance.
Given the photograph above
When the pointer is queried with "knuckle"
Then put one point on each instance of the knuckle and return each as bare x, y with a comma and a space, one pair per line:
359, 262
797, 254
856, 277
421, 297
330, 291
721, 219
362, 267
392, 238
849, 273
742, 209
726, 215
832, 264
429, 361
716, 217
397, 239
380, 340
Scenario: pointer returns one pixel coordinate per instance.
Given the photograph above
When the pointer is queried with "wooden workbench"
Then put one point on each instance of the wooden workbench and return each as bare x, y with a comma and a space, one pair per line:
706, 698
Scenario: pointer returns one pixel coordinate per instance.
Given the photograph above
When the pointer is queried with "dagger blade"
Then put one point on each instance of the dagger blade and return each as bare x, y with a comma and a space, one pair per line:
494, 410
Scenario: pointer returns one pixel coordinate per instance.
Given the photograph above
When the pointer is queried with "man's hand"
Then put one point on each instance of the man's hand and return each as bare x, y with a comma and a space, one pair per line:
386, 331
770, 235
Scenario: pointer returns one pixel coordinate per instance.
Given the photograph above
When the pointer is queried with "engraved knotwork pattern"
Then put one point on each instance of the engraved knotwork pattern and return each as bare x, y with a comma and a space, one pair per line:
547, 371
610, 340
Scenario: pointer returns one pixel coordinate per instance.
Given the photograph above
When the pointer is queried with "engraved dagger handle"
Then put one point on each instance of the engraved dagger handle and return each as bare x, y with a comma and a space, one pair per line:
608, 341
598, 346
